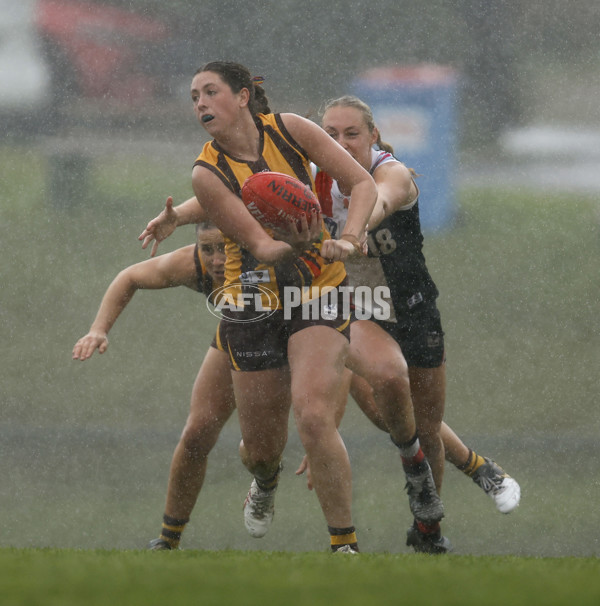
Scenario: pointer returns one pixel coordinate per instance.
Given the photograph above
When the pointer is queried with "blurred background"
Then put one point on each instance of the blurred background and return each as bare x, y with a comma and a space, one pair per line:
97, 129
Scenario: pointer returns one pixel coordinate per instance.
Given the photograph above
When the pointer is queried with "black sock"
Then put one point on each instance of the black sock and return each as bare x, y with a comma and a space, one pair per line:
171, 530
269, 483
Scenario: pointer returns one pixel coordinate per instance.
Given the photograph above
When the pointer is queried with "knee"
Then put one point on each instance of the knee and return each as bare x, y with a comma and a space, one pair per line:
429, 431
313, 425
261, 463
199, 437
261, 449
392, 383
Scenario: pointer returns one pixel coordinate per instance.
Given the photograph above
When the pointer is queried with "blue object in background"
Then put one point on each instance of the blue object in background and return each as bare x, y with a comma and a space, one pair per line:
415, 110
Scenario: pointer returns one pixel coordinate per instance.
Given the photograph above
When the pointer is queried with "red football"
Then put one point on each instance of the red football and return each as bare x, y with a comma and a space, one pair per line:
275, 198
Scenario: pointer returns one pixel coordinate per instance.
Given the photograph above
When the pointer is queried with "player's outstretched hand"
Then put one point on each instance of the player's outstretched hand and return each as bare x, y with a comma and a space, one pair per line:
160, 227
86, 346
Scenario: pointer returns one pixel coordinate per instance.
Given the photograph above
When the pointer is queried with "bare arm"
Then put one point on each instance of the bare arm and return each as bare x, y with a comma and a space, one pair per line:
171, 217
173, 269
331, 157
395, 190
230, 215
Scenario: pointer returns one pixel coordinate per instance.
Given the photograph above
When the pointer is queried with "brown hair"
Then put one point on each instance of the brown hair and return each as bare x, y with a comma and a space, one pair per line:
205, 225
237, 76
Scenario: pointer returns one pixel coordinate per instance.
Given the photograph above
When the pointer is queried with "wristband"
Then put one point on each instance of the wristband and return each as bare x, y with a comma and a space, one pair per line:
355, 242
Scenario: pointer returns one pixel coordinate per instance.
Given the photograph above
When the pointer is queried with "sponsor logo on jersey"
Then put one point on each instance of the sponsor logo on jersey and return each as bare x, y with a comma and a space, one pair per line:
434, 339
251, 354
414, 300
258, 276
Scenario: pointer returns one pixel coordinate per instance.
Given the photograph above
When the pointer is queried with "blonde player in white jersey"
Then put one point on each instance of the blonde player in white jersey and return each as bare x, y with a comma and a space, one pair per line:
408, 321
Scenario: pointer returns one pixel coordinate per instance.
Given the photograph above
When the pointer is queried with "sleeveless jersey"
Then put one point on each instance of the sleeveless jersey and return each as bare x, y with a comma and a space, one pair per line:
204, 281
395, 257
243, 273
206, 286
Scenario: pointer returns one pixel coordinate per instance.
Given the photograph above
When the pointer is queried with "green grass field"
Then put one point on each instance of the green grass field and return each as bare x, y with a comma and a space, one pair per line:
66, 577
85, 448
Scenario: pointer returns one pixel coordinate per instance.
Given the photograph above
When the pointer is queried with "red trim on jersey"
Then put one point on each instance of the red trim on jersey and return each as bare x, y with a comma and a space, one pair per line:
383, 156
311, 263
323, 184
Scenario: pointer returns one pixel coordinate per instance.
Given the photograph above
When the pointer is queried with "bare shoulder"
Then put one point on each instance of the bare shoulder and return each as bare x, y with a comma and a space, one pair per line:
209, 190
201, 175
290, 118
181, 257
177, 268
393, 171
321, 149
399, 177
396, 187
300, 127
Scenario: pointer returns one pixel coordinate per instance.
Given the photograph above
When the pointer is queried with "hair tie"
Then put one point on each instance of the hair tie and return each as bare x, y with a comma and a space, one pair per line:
258, 80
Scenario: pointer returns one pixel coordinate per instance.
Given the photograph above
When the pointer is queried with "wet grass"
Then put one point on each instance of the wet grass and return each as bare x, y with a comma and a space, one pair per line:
66, 577
86, 448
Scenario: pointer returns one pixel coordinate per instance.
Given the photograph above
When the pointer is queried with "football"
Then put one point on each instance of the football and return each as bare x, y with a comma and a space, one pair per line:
274, 199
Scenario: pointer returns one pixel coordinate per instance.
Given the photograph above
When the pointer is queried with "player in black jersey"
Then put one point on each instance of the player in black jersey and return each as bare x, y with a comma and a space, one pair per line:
396, 260
222, 94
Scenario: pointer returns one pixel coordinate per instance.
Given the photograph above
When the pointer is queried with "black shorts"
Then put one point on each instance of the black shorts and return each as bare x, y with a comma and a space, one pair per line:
420, 337
217, 341
262, 345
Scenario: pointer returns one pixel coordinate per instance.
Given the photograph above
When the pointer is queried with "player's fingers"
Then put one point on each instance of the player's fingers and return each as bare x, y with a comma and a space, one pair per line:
303, 465
87, 349
328, 251
309, 483
293, 229
340, 249
81, 353
304, 227
82, 348
148, 237
315, 219
316, 225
